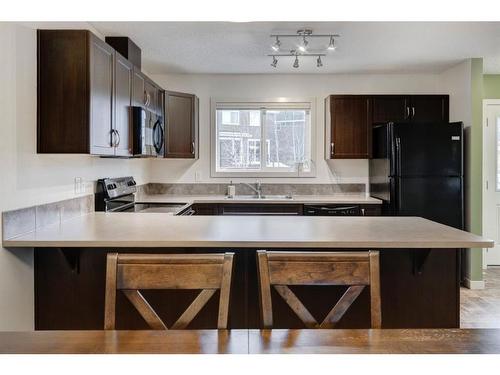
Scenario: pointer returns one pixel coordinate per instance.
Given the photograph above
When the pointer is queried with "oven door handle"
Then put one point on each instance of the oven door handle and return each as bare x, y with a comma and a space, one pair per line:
120, 208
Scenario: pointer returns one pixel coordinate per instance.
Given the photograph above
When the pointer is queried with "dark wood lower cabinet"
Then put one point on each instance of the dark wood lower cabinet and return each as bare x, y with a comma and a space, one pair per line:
284, 209
74, 299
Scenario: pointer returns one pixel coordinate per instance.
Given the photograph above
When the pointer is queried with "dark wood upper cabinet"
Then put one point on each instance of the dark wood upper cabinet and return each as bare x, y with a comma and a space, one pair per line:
429, 108
350, 119
101, 97
387, 108
181, 112
84, 90
410, 108
123, 96
139, 98
63, 100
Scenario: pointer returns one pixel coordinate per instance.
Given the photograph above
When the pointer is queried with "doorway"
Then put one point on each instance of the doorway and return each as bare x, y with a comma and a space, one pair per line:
491, 180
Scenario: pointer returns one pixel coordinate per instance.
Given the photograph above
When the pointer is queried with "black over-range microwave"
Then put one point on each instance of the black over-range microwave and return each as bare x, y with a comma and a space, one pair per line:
148, 132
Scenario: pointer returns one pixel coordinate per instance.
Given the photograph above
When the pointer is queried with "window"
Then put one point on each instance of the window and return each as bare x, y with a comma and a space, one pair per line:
262, 139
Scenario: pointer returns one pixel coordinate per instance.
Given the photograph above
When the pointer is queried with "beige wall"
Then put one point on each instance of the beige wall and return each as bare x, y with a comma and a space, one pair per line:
27, 178
290, 86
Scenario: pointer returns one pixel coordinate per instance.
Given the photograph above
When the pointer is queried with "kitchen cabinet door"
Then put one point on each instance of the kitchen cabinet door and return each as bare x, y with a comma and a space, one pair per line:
101, 97
390, 108
429, 108
350, 126
123, 96
62, 92
138, 89
181, 114
151, 96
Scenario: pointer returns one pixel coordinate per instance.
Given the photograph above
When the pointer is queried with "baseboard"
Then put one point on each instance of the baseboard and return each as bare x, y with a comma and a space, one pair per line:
473, 284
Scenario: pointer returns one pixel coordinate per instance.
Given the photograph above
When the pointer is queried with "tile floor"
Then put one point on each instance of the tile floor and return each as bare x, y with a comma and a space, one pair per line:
481, 308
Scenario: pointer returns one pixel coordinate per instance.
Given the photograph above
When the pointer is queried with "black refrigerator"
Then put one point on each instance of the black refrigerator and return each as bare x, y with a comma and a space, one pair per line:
417, 170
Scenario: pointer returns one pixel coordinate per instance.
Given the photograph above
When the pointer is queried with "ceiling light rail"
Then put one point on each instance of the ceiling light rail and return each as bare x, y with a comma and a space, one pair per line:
302, 47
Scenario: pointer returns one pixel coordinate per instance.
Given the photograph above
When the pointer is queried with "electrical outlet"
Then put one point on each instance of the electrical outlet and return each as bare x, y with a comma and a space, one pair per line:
78, 185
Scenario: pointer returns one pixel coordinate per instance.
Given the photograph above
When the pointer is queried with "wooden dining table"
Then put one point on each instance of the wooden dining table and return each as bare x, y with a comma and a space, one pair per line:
277, 341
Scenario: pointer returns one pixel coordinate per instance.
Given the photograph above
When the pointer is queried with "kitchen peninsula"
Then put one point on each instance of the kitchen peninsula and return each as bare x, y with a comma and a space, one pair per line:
419, 266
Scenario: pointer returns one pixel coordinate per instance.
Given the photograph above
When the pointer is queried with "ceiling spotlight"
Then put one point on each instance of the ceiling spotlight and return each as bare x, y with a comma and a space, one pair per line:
276, 45
303, 45
296, 62
319, 63
332, 46
275, 62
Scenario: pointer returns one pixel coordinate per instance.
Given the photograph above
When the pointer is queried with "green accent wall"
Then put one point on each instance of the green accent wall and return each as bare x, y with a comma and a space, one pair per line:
491, 86
475, 256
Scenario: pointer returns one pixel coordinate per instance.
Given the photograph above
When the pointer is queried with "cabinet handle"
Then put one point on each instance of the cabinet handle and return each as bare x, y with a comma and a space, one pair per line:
413, 112
332, 148
118, 135
145, 98
112, 138
407, 113
192, 147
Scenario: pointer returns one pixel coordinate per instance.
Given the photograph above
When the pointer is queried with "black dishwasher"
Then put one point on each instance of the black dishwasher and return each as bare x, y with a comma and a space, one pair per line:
333, 210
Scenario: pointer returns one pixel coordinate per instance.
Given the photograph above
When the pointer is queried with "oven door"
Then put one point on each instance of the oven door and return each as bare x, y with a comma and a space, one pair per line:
145, 134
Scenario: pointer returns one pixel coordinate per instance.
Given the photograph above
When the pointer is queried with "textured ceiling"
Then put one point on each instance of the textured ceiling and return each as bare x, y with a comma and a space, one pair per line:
364, 47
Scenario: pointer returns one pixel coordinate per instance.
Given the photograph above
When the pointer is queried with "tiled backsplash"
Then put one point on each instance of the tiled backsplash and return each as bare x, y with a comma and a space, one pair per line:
270, 189
25, 220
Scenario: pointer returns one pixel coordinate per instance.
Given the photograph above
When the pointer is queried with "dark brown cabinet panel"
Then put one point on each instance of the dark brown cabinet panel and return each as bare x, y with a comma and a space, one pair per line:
410, 108
351, 121
139, 97
181, 113
429, 108
261, 209
63, 92
387, 108
123, 95
101, 97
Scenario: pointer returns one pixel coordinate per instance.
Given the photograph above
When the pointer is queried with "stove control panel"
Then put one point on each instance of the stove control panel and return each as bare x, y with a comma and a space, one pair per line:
117, 187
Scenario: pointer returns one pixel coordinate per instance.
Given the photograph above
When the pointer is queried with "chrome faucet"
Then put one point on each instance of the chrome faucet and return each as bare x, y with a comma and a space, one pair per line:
257, 189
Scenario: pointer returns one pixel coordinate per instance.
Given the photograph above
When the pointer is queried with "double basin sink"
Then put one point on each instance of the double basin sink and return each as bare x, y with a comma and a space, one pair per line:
260, 198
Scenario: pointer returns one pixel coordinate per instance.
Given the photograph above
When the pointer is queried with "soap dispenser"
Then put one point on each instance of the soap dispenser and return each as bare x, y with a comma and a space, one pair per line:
231, 190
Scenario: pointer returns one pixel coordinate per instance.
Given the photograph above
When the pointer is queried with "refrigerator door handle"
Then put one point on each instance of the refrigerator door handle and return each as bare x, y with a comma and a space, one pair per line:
398, 156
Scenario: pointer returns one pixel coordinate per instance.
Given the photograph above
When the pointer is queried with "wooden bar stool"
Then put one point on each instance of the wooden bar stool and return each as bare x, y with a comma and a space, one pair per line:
281, 269
132, 272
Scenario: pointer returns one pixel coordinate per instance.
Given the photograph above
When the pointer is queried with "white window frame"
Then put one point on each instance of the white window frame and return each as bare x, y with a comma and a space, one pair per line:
276, 103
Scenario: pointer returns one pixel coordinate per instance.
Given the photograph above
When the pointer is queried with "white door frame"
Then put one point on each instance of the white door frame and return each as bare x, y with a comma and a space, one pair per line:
486, 103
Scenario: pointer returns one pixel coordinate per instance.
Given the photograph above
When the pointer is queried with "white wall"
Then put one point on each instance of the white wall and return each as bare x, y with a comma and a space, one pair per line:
290, 86
27, 178
457, 82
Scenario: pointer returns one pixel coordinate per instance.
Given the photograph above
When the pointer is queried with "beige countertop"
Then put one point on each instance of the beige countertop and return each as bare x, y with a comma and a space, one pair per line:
297, 199
114, 230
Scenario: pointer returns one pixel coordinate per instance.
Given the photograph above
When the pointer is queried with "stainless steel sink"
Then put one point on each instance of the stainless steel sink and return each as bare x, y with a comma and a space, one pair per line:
261, 198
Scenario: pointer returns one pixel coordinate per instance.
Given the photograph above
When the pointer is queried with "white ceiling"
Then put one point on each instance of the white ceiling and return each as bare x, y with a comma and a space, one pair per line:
364, 47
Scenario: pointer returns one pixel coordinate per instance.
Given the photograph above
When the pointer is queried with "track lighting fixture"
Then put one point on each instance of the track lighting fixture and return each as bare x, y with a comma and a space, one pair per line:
303, 45
331, 46
275, 62
304, 48
319, 63
276, 45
